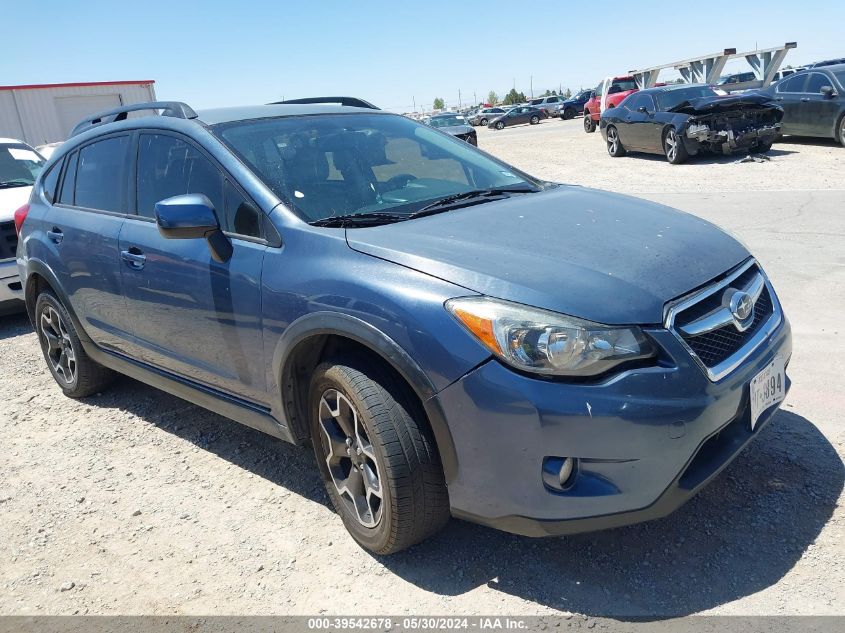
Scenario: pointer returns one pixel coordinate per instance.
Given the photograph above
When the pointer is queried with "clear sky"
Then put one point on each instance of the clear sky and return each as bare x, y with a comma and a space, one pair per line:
391, 53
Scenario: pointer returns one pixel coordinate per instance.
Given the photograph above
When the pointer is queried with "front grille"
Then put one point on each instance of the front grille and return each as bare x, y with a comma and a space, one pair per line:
719, 345
708, 329
8, 240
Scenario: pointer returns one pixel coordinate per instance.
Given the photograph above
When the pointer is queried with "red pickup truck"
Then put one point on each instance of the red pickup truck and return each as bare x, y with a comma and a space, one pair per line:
617, 89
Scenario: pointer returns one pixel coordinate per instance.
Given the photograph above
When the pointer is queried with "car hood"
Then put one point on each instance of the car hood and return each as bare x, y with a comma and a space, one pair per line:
596, 255
11, 200
708, 105
456, 129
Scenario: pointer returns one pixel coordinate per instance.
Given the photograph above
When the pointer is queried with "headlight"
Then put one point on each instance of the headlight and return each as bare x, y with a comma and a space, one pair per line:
545, 342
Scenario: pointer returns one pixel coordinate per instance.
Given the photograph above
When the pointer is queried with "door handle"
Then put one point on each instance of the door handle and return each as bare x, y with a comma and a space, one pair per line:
779, 99
805, 99
56, 235
134, 258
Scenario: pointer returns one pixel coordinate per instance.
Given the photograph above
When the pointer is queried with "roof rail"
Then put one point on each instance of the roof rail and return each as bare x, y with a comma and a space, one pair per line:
350, 102
168, 108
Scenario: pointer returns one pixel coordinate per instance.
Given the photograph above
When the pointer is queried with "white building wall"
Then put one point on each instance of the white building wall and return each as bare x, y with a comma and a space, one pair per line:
34, 114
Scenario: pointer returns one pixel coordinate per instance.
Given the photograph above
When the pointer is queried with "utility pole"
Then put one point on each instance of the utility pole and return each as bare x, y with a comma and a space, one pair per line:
460, 103
414, 99
531, 79
474, 99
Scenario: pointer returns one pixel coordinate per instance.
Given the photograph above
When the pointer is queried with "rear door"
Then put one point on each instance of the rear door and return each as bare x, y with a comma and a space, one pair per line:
193, 316
788, 94
82, 230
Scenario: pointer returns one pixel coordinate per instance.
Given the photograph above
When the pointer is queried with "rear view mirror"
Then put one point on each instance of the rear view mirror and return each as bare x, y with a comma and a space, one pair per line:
192, 216
828, 91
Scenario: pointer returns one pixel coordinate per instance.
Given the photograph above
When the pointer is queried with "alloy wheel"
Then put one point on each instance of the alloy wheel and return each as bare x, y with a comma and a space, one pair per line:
671, 145
350, 458
57, 345
613, 140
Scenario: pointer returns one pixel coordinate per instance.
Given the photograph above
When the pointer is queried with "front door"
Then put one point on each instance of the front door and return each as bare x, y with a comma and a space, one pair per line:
818, 112
191, 315
788, 94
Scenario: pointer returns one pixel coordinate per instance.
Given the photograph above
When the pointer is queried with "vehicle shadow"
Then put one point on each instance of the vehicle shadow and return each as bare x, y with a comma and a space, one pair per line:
710, 159
14, 324
740, 535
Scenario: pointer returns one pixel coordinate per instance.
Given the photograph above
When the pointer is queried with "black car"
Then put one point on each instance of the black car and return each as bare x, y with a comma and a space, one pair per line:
813, 102
681, 120
517, 115
455, 124
574, 106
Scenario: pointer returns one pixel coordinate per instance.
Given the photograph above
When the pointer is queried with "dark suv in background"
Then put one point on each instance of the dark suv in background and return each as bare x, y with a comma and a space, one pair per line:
451, 335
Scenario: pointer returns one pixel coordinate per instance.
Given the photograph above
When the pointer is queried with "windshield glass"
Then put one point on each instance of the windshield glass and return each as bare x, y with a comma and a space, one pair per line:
672, 98
625, 84
840, 77
19, 166
325, 166
447, 121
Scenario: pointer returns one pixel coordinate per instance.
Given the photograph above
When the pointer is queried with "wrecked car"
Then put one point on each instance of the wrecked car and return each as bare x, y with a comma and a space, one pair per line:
682, 120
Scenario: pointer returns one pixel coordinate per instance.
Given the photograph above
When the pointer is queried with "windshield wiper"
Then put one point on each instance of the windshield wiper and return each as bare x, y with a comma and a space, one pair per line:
361, 219
455, 200
8, 184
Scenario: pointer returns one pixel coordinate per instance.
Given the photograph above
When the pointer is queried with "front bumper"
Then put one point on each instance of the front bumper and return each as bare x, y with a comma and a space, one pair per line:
11, 292
647, 440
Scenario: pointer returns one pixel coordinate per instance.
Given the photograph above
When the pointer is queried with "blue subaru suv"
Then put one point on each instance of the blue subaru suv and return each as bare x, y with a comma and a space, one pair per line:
451, 335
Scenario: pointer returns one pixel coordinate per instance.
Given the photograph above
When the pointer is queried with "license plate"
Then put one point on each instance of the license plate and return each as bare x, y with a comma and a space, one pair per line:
767, 388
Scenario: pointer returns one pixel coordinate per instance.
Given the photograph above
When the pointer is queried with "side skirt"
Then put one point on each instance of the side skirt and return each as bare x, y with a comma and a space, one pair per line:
242, 411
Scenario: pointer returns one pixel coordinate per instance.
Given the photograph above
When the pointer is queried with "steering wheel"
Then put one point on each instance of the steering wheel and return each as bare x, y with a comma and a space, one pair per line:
397, 182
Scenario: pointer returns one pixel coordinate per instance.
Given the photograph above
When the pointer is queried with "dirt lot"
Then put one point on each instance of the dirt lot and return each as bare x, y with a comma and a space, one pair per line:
136, 502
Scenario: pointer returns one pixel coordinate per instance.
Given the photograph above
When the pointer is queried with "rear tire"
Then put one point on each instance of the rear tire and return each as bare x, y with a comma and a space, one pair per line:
614, 144
377, 456
589, 124
673, 147
534, 120
71, 367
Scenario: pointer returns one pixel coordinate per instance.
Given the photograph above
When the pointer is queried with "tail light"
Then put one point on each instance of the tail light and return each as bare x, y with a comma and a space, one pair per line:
20, 216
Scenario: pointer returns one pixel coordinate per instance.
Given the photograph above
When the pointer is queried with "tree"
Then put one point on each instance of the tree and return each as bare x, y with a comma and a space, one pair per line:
438, 104
492, 97
566, 94
514, 97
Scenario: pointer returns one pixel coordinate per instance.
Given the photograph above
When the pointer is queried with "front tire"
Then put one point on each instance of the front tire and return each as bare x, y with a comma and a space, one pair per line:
764, 146
614, 144
377, 456
589, 124
71, 367
568, 113
673, 147
500, 125
841, 133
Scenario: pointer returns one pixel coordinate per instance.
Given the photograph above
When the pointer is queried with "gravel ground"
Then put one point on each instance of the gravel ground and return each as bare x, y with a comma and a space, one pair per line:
135, 502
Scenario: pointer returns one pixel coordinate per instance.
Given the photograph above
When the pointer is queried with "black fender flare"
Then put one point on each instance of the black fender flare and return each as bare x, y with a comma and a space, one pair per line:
362, 332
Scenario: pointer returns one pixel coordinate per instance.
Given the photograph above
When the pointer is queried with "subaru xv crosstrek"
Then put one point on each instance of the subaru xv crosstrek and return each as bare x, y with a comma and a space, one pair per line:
452, 336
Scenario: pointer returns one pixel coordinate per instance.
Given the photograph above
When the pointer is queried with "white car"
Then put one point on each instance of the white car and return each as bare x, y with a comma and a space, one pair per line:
19, 167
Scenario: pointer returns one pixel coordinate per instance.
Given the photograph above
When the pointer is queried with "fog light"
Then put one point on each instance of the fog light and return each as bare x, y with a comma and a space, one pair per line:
566, 470
559, 473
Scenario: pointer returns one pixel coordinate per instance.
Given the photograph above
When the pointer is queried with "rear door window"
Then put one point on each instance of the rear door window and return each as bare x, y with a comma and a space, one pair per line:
69, 180
50, 181
101, 175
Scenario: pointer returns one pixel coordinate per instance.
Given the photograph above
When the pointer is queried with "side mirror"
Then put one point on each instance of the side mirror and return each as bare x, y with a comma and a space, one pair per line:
192, 216
828, 91
642, 109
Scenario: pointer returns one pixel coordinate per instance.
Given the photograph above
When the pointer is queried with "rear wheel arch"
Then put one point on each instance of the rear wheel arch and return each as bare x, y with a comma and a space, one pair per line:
315, 338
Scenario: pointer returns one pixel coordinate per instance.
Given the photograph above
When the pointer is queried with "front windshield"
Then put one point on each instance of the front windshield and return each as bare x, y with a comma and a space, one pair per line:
447, 121
672, 98
333, 165
19, 166
840, 76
